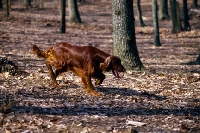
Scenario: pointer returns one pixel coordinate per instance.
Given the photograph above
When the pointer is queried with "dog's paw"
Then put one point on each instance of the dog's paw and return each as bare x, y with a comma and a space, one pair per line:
94, 93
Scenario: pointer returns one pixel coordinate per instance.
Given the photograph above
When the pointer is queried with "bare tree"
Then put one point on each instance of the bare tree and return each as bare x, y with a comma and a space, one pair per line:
175, 14
27, 3
155, 23
163, 9
195, 3
140, 14
40, 3
7, 8
124, 34
186, 24
1, 4
63, 5
74, 15
197, 60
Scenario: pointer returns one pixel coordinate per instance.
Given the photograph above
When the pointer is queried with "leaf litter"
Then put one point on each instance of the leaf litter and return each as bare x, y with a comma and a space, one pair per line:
164, 99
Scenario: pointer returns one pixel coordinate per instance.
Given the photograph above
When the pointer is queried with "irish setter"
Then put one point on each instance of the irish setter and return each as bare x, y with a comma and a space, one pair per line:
85, 61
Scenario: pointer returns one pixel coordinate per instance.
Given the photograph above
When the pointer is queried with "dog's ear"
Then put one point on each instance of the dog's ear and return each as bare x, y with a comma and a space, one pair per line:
105, 65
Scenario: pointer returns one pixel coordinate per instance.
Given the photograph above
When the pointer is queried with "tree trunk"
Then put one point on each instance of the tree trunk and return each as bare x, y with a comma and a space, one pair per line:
140, 14
175, 13
163, 10
73, 11
194, 4
1, 4
197, 60
40, 3
81, 1
7, 8
63, 5
124, 34
186, 24
155, 23
27, 3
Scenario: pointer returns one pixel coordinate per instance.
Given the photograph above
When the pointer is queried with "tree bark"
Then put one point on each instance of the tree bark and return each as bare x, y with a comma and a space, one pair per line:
27, 3
63, 5
40, 3
140, 14
74, 15
197, 60
175, 13
186, 24
7, 8
1, 4
194, 4
163, 10
124, 34
155, 23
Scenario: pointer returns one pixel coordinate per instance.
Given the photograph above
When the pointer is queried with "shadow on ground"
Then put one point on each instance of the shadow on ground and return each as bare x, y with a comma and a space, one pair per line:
82, 108
77, 110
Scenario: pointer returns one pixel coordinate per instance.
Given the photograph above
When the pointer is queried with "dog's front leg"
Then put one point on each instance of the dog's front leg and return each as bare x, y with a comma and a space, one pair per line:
52, 75
99, 79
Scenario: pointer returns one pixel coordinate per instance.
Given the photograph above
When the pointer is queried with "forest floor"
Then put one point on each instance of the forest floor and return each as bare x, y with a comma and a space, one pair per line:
166, 99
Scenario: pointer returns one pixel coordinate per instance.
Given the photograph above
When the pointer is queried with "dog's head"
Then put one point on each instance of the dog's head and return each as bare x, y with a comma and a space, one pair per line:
112, 63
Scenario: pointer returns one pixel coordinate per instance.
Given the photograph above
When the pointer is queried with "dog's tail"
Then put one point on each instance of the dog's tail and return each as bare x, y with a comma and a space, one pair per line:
38, 52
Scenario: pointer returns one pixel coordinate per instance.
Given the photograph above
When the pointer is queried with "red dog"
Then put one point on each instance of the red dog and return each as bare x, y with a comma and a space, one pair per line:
85, 61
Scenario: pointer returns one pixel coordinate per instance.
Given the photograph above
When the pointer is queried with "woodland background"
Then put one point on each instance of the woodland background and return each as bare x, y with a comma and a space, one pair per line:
165, 99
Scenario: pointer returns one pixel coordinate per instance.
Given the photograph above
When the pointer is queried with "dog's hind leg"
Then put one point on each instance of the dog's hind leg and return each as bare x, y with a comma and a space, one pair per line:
89, 86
